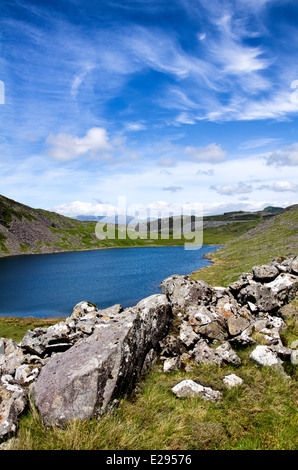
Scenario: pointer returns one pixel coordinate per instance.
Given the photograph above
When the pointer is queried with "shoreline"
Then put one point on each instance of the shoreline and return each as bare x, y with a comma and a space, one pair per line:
98, 249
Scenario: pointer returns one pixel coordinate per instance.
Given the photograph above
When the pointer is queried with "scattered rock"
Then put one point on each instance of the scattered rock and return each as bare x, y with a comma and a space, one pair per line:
12, 356
232, 380
260, 296
182, 292
227, 354
191, 389
202, 353
171, 364
284, 287
265, 356
187, 335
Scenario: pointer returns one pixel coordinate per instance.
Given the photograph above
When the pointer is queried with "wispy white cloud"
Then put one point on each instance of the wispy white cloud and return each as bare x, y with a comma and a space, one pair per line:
135, 126
209, 172
212, 153
79, 78
280, 186
153, 48
230, 190
235, 57
167, 162
259, 142
286, 156
173, 189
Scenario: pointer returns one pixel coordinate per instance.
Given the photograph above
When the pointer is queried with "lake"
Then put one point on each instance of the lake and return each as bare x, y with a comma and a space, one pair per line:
51, 285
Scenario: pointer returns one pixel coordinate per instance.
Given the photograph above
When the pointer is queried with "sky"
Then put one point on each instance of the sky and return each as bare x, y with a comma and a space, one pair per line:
157, 102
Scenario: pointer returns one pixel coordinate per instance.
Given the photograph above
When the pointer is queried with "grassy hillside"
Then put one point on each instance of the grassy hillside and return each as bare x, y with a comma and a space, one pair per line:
260, 415
24, 230
271, 239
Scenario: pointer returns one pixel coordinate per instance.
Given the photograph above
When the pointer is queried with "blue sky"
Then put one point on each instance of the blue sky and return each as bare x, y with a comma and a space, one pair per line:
160, 102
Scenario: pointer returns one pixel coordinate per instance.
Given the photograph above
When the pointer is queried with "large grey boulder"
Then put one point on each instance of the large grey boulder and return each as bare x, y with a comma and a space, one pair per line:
92, 375
265, 272
183, 292
261, 296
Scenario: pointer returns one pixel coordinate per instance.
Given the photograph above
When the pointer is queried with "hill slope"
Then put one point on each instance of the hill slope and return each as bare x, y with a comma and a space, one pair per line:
24, 230
271, 239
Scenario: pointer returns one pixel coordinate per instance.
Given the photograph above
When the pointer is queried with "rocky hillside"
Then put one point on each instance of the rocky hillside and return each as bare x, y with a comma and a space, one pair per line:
24, 230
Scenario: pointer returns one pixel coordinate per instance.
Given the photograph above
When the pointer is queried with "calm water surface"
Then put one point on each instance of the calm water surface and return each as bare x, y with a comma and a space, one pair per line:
51, 285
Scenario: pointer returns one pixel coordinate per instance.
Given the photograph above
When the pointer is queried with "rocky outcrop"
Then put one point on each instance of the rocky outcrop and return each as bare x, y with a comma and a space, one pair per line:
80, 367
230, 316
88, 378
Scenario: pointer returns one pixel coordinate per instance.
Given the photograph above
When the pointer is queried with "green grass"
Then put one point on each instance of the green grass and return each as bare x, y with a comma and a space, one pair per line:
259, 415
16, 327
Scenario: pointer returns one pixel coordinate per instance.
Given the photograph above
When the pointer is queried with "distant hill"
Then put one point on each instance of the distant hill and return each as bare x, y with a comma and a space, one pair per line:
275, 237
24, 230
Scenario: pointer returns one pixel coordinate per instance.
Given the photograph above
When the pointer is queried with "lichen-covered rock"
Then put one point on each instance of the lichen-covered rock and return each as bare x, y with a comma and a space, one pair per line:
187, 335
12, 403
265, 273
171, 364
227, 354
86, 380
232, 380
41, 341
261, 296
284, 287
236, 325
189, 388
265, 356
11, 356
203, 354
215, 330
182, 292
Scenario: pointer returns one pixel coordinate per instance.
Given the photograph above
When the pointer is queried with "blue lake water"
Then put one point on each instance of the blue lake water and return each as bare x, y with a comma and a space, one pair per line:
51, 285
